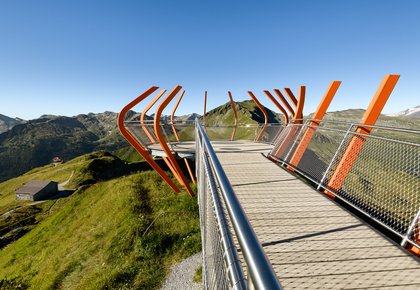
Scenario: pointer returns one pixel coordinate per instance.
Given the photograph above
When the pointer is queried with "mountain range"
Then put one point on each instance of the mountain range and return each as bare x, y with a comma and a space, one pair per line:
28, 144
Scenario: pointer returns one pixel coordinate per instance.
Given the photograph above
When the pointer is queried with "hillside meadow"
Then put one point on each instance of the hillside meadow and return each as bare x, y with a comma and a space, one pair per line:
112, 232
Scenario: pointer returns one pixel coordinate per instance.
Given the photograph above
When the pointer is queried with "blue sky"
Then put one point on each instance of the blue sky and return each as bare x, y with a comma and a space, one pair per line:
71, 57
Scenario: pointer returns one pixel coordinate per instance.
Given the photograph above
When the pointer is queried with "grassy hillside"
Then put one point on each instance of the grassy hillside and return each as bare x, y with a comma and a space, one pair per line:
111, 233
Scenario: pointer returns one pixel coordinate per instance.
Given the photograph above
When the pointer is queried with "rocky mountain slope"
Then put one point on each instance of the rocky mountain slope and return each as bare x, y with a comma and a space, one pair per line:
7, 123
36, 142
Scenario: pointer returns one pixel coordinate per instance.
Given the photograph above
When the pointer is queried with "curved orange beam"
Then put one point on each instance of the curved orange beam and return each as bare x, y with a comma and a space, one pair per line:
173, 114
284, 101
300, 104
235, 115
264, 112
136, 144
163, 143
176, 133
205, 104
291, 96
143, 115
282, 110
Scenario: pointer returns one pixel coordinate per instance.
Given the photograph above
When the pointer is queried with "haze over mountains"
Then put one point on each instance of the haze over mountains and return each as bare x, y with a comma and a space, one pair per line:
28, 144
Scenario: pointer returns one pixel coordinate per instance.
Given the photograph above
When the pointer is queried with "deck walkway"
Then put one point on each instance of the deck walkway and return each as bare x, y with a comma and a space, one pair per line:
311, 242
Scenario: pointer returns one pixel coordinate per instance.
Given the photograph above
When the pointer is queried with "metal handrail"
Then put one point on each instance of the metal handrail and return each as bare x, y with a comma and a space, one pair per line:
260, 269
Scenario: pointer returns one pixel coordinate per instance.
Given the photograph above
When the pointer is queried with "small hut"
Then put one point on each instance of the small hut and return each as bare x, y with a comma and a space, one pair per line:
37, 190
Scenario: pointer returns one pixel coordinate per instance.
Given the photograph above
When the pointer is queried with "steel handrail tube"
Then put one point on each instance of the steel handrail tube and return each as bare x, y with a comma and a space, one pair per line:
259, 267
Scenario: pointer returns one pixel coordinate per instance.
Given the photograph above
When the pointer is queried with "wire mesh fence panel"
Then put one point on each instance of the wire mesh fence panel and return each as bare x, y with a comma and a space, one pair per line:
215, 229
286, 141
184, 130
320, 143
143, 133
224, 133
271, 132
383, 181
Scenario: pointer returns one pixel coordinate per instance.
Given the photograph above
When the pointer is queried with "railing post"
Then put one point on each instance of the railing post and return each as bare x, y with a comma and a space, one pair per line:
332, 161
411, 229
302, 130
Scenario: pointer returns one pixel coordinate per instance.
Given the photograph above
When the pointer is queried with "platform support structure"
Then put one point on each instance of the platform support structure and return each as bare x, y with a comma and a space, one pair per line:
174, 164
136, 144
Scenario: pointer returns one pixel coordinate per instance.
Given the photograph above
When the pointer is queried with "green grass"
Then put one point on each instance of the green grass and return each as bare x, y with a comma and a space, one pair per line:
128, 154
120, 233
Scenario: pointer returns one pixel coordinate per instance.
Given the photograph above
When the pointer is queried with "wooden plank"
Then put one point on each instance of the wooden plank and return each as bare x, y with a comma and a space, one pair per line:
311, 241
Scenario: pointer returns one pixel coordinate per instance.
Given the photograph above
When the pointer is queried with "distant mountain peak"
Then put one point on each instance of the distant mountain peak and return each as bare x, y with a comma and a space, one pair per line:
411, 112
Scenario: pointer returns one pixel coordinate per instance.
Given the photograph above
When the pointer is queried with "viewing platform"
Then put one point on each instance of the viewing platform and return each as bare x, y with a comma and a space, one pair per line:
311, 241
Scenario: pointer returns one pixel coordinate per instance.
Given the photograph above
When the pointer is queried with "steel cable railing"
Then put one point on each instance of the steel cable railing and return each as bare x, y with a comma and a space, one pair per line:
221, 266
383, 180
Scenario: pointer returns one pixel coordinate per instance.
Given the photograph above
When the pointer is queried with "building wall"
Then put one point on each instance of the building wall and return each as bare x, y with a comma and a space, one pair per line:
24, 196
46, 192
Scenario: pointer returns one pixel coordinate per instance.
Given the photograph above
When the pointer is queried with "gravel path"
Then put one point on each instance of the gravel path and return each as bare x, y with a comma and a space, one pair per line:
182, 275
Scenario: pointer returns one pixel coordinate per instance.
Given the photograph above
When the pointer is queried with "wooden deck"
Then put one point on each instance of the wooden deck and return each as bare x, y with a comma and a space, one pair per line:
311, 242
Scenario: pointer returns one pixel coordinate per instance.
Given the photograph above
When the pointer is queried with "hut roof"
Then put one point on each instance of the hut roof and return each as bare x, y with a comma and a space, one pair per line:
33, 186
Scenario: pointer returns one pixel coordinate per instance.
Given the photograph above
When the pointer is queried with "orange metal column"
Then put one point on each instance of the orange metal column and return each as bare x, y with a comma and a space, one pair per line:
235, 115
319, 114
163, 143
136, 144
286, 140
284, 101
299, 103
282, 110
371, 115
264, 112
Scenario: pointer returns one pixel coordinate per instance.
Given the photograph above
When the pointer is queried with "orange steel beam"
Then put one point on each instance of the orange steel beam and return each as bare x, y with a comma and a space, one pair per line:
298, 103
291, 96
189, 170
356, 143
254, 98
163, 143
282, 110
205, 104
176, 133
143, 115
136, 144
235, 114
173, 114
319, 114
297, 115
284, 101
